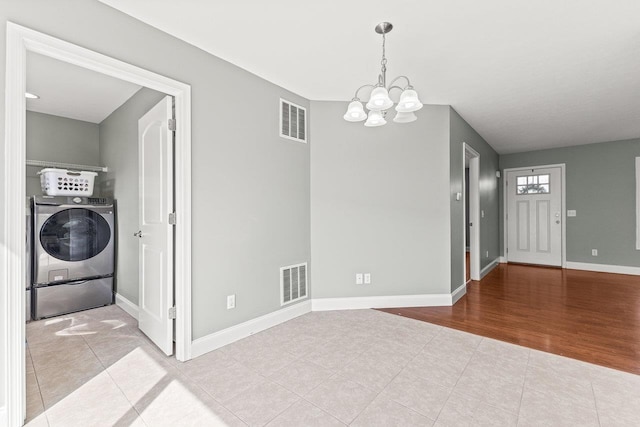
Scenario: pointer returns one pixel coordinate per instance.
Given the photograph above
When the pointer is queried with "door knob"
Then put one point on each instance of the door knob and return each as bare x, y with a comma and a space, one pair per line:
138, 234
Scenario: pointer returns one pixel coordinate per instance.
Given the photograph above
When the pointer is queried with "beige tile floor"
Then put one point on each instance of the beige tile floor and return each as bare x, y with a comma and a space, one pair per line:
360, 368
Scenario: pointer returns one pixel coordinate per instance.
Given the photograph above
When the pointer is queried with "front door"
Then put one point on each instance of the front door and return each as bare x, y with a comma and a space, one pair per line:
155, 158
534, 216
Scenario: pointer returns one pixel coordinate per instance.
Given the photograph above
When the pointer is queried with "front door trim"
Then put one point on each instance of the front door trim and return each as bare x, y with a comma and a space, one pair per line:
563, 206
12, 253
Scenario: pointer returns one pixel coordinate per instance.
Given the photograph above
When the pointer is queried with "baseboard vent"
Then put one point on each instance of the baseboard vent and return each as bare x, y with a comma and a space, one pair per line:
293, 283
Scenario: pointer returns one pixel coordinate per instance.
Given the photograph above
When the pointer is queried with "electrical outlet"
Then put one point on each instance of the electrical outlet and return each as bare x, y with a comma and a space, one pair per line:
231, 301
359, 279
367, 278
594, 252
486, 254
482, 213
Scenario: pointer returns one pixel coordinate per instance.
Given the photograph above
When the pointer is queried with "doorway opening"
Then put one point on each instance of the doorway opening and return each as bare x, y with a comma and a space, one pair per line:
471, 213
20, 42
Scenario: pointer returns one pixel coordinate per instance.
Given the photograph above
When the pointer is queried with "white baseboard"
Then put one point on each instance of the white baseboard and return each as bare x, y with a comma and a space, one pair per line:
603, 268
127, 306
489, 267
458, 293
355, 303
3, 416
221, 338
503, 259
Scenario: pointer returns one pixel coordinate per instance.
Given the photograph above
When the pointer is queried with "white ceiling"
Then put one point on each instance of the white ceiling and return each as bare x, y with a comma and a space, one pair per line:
525, 75
70, 91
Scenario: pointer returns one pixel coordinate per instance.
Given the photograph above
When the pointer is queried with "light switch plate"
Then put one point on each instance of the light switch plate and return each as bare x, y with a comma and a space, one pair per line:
359, 279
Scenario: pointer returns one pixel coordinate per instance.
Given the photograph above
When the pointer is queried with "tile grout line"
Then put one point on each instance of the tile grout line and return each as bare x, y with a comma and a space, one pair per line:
523, 386
35, 374
595, 401
267, 378
104, 369
337, 374
395, 376
279, 413
475, 350
323, 411
197, 384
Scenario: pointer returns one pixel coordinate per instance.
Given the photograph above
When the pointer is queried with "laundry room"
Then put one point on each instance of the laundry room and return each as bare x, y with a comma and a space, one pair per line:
81, 187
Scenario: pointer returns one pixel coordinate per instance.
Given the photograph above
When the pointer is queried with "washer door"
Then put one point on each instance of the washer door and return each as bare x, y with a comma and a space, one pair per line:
75, 234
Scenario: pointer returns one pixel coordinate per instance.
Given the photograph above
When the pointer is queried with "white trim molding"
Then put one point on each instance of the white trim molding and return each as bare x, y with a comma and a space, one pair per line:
487, 269
603, 268
502, 260
638, 203
474, 211
234, 333
20, 40
458, 293
12, 262
127, 306
356, 303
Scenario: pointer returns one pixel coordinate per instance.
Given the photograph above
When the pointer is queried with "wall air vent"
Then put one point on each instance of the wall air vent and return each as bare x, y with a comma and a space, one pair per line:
293, 283
293, 121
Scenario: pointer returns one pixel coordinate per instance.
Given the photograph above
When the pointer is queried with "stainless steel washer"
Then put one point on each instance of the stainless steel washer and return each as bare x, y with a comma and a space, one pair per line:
73, 254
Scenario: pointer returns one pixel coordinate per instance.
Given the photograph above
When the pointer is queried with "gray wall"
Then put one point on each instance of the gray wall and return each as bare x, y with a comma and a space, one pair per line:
119, 152
250, 187
379, 203
461, 132
58, 139
600, 187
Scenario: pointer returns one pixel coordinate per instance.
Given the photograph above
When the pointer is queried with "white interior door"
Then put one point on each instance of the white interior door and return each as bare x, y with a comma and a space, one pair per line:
155, 160
534, 216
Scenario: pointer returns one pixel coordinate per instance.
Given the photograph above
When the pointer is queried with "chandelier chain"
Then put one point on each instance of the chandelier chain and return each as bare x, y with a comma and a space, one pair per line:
383, 76
384, 57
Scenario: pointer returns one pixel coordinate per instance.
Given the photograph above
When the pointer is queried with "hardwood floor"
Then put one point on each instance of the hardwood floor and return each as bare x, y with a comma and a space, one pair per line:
594, 317
467, 263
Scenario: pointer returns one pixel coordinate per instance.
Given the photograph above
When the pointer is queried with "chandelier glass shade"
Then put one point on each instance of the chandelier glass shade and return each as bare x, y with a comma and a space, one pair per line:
409, 102
374, 119
405, 117
379, 99
355, 112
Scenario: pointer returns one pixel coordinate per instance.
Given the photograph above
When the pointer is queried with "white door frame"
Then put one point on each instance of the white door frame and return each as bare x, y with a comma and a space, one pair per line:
12, 252
563, 206
474, 211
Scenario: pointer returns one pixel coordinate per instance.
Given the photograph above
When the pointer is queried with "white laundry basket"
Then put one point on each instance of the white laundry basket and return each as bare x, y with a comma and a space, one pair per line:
63, 182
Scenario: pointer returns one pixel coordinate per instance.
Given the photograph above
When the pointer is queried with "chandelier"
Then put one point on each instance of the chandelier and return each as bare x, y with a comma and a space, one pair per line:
379, 100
